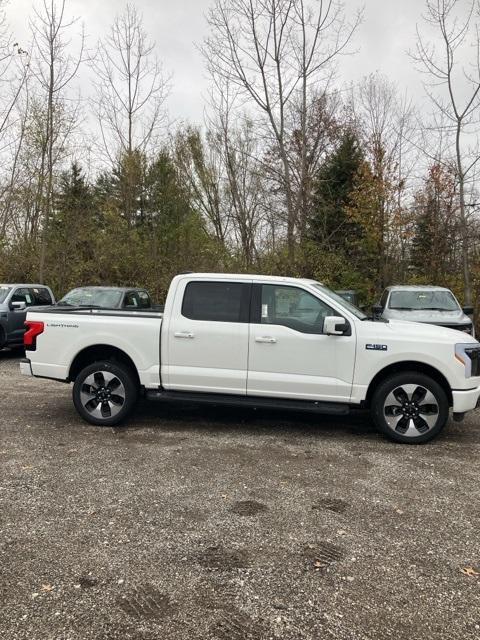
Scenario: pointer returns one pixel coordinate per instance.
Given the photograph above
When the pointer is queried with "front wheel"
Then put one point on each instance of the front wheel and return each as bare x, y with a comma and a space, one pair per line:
105, 393
410, 407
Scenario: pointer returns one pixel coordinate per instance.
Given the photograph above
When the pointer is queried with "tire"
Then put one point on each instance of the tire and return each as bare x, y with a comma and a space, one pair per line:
104, 393
410, 407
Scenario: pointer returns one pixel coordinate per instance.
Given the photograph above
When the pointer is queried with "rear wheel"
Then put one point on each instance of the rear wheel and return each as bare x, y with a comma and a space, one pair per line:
410, 407
105, 393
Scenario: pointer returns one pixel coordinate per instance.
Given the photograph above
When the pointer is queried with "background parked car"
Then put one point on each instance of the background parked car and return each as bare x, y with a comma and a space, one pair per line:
15, 299
428, 304
109, 298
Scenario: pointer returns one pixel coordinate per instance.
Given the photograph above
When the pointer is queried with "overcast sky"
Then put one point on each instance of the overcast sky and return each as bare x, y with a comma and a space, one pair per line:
178, 25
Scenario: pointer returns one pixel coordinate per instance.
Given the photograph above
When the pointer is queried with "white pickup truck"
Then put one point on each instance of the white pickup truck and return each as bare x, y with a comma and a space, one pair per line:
261, 341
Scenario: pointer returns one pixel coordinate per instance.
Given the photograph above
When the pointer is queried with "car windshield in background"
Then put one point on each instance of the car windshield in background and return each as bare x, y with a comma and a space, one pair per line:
105, 298
4, 292
423, 301
344, 303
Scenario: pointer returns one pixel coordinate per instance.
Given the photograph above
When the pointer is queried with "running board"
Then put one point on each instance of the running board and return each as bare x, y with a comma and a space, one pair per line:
257, 402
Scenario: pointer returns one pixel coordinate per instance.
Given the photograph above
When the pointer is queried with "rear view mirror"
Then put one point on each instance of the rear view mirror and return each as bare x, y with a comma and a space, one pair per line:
468, 311
335, 326
18, 306
377, 310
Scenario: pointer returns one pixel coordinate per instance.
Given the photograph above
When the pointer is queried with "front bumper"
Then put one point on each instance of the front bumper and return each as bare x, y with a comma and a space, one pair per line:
464, 401
25, 367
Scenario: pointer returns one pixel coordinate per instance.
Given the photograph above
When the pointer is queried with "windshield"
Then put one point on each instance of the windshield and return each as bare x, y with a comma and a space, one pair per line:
4, 292
341, 301
423, 301
105, 298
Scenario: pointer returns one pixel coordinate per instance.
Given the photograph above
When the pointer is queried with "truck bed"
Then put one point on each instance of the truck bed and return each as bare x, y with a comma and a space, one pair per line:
68, 332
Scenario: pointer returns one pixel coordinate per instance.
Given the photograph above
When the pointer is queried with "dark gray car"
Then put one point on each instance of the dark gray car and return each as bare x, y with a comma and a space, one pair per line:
15, 299
108, 298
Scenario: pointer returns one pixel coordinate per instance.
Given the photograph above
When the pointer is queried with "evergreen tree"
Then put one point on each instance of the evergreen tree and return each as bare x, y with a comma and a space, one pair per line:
330, 224
436, 230
73, 235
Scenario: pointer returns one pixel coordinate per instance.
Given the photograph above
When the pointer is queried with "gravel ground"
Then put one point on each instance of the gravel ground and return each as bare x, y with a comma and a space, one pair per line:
195, 523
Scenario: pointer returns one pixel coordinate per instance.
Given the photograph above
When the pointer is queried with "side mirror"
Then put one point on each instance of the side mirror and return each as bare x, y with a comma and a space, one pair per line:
468, 311
377, 310
335, 326
18, 306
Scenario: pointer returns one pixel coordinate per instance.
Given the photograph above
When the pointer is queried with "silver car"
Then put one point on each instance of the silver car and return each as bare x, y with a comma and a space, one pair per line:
428, 304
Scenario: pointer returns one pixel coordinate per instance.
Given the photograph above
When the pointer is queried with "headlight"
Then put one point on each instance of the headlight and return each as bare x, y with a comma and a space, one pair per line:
469, 355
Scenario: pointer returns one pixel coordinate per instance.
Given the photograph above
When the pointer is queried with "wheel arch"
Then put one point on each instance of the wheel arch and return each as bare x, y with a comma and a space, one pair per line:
409, 365
98, 352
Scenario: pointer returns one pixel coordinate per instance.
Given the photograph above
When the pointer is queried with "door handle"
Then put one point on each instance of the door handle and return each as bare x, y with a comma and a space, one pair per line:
184, 334
266, 339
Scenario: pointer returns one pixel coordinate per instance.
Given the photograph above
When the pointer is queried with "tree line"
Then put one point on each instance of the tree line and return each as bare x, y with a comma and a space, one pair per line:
293, 171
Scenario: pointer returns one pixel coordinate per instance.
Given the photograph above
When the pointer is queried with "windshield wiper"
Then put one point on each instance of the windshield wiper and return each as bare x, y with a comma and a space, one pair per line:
403, 309
437, 309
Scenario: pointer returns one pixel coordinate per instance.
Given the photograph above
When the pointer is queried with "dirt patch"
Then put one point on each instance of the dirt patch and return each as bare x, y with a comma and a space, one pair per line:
218, 557
237, 625
248, 508
322, 554
331, 504
146, 602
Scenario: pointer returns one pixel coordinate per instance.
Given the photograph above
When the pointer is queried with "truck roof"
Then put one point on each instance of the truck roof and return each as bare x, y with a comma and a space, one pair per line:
416, 287
23, 284
248, 277
105, 287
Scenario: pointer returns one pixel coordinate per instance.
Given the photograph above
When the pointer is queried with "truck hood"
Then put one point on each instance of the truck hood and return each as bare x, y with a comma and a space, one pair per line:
433, 317
414, 332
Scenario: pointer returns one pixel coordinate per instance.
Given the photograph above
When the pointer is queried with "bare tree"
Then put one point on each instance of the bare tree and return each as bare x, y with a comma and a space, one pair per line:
245, 192
54, 68
14, 71
452, 69
131, 88
200, 169
278, 53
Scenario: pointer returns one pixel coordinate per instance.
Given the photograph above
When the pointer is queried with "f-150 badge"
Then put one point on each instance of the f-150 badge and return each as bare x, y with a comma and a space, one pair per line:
376, 347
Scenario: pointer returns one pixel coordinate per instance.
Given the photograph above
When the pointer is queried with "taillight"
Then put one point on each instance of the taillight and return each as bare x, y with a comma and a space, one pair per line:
34, 329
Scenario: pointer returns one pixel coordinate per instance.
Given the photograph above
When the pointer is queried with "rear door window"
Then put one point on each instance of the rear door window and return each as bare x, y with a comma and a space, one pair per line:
131, 300
40, 296
217, 301
144, 300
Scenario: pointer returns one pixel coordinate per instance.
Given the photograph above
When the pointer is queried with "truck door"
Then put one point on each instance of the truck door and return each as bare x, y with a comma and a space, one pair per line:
289, 356
32, 297
207, 344
16, 317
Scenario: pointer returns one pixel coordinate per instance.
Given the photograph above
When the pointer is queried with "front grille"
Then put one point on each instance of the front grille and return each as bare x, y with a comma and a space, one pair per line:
466, 328
474, 355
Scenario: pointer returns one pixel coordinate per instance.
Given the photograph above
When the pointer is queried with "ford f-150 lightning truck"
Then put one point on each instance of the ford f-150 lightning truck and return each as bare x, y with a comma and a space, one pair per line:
261, 341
